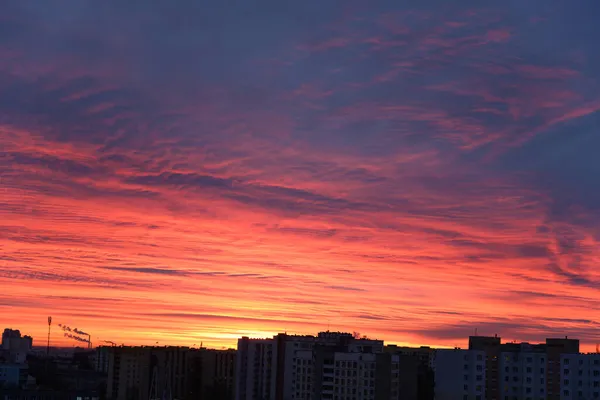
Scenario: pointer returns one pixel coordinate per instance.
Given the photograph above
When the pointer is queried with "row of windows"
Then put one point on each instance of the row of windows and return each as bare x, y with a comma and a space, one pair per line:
306, 396
566, 361
354, 382
529, 360
528, 390
353, 391
595, 372
354, 365
353, 373
529, 370
346, 364
477, 388
518, 379
596, 384
477, 367
303, 386
304, 378
342, 397
517, 398
595, 395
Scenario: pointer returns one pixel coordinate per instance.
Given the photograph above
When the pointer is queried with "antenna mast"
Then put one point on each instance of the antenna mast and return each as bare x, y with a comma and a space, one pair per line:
48, 345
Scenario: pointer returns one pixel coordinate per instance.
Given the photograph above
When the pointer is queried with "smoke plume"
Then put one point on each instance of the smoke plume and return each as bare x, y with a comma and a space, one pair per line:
75, 330
79, 339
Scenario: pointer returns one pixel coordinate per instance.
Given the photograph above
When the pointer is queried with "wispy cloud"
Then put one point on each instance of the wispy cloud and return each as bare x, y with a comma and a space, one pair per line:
313, 161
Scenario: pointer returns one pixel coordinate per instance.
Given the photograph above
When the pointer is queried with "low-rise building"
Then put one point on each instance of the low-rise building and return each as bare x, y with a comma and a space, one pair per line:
11, 375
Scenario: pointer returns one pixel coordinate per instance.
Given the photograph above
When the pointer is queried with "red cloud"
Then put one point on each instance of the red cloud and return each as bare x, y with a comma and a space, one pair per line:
219, 199
498, 35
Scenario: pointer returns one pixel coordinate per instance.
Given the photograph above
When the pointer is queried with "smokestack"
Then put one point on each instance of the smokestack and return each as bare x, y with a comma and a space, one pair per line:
48, 345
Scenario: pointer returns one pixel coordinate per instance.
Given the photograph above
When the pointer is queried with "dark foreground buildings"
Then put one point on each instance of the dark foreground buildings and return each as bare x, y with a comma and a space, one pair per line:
491, 370
136, 373
338, 366
330, 365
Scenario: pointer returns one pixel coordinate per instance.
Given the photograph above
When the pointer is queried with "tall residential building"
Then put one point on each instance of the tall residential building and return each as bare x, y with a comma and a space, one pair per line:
101, 359
423, 372
555, 349
170, 372
129, 373
340, 374
459, 374
580, 376
146, 372
491, 347
293, 349
523, 372
290, 367
516, 371
256, 369
210, 374
15, 346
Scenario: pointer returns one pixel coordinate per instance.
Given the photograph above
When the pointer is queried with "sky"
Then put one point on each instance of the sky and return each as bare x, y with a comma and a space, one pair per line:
189, 172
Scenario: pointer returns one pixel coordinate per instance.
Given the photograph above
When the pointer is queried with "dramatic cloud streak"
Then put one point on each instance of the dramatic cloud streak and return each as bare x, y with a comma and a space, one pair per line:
197, 173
